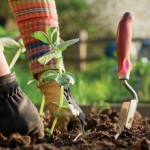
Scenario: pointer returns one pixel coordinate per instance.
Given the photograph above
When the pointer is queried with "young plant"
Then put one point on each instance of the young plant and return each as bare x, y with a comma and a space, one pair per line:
61, 77
14, 48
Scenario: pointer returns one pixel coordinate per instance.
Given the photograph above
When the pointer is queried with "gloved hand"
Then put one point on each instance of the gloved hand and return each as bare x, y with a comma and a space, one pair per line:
17, 112
67, 120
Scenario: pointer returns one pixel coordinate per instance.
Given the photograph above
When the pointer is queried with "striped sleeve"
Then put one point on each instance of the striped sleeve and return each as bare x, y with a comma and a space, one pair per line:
32, 16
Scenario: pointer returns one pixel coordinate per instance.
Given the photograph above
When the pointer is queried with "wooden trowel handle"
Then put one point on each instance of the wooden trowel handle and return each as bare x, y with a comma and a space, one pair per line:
123, 42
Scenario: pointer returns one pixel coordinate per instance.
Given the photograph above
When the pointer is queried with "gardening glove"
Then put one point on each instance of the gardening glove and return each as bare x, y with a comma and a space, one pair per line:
67, 120
17, 112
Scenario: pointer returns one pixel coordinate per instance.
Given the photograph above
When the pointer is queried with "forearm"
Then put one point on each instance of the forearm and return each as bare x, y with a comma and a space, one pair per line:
32, 16
4, 68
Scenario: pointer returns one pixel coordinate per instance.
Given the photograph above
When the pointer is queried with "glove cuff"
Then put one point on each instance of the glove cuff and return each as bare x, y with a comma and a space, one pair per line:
32, 16
51, 91
6, 79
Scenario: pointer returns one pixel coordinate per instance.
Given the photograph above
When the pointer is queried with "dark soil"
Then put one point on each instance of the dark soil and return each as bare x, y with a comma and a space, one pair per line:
98, 135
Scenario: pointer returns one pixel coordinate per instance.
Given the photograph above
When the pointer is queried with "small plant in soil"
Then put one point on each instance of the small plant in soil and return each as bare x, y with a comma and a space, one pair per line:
63, 78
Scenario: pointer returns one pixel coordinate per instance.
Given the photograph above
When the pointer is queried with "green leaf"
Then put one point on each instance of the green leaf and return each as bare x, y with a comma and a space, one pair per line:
52, 34
49, 131
57, 113
64, 44
9, 43
56, 103
65, 104
3, 32
41, 36
15, 58
49, 75
46, 57
30, 81
60, 80
69, 77
20, 41
23, 50
49, 31
65, 78
54, 38
59, 59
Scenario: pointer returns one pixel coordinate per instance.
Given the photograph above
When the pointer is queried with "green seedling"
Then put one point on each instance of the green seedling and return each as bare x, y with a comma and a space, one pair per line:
50, 37
15, 48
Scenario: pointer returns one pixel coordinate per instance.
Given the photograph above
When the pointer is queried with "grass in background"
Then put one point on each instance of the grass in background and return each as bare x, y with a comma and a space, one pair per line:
99, 83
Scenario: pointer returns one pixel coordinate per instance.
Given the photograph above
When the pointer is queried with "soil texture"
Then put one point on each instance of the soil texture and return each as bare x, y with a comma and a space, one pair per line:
99, 134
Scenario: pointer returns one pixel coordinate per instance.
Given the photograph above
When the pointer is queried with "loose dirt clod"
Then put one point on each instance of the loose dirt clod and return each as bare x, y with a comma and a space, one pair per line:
99, 134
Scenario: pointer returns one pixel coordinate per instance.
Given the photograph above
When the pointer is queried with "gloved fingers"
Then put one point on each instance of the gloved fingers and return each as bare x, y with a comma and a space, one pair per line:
82, 119
75, 123
39, 130
62, 123
40, 134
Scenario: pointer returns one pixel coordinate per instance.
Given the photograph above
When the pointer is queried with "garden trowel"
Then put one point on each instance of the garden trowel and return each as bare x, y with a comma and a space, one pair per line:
124, 38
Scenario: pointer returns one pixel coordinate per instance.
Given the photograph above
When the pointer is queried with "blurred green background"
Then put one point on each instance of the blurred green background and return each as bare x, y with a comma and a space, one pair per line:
93, 59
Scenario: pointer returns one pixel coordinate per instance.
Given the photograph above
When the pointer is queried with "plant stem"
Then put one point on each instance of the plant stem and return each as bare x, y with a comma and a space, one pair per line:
42, 106
61, 96
53, 125
61, 89
60, 102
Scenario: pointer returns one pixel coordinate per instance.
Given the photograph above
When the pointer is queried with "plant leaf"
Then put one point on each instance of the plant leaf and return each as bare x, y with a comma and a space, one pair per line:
2, 31
56, 103
65, 78
9, 43
41, 36
23, 49
59, 59
49, 31
69, 77
46, 58
52, 34
49, 75
30, 81
65, 104
60, 80
49, 131
57, 113
64, 44
15, 58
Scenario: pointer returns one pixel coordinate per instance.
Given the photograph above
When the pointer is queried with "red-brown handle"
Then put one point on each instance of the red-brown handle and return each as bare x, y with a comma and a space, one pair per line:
124, 38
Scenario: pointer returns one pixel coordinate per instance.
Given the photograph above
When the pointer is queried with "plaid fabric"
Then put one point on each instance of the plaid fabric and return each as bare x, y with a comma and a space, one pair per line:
31, 16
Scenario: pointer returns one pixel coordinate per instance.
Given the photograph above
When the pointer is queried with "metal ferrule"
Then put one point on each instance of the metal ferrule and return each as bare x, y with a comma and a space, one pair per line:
123, 76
